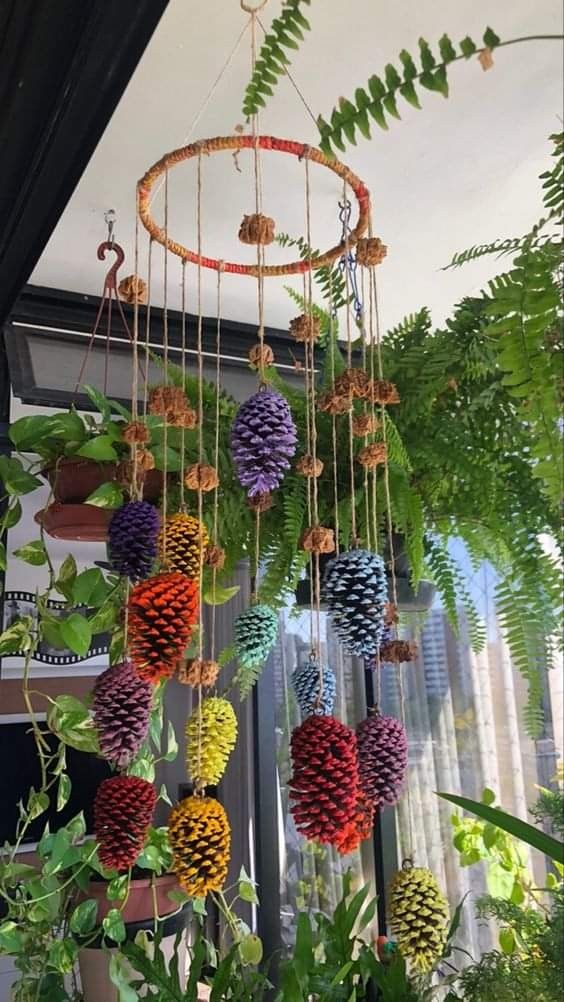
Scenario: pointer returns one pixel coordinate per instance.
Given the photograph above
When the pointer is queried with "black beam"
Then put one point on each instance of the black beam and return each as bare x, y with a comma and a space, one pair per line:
64, 66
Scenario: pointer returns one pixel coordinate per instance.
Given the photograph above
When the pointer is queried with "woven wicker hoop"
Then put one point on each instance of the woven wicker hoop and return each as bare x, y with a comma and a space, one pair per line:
207, 146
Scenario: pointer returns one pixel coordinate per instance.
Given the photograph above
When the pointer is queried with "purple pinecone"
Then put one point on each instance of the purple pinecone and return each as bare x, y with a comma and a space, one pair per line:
382, 758
121, 706
132, 539
263, 441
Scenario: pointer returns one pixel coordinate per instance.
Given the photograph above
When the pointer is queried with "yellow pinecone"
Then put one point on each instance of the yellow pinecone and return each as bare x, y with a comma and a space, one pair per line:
200, 838
184, 538
418, 916
209, 744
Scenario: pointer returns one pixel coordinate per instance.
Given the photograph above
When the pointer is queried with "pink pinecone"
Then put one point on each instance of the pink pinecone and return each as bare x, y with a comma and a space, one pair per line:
382, 758
121, 706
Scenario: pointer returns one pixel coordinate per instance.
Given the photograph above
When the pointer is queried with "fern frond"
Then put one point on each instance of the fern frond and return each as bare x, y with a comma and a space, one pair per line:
500, 247
380, 98
245, 678
528, 648
326, 322
286, 32
397, 452
331, 282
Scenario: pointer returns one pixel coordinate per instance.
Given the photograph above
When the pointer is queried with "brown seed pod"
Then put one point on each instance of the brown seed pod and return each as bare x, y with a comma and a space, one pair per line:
381, 391
215, 557
184, 419
352, 383
167, 401
196, 672
306, 328
145, 460
318, 539
201, 477
261, 356
309, 466
398, 651
333, 403
135, 432
364, 424
256, 229
370, 251
260, 502
373, 454
133, 289
391, 615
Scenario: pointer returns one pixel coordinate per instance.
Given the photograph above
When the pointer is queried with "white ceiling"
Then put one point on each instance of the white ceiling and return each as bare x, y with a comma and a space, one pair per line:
458, 172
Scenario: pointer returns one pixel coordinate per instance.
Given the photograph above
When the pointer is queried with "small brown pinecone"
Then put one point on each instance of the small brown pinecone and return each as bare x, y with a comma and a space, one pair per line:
364, 424
260, 502
135, 432
318, 539
333, 403
215, 557
373, 454
398, 651
200, 477
381, 391
167, 401
133, 289
145, 460
391, 615
187, 418
196, 672
256, 229
306, 328
261, 356
309, 466
370, 251
352, 383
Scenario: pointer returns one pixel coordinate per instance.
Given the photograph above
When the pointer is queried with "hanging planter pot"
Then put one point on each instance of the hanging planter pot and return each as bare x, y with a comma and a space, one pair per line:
409, 600
74, 478
85, 523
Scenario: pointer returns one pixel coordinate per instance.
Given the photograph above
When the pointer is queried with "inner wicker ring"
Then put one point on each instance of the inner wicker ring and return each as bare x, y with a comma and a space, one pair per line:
300, 150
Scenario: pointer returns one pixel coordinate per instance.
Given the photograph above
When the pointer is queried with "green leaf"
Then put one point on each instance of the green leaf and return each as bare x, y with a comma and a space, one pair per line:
551, 847
143, 768
118, 887
11, 939
120, 975
63, 791
171, 743
488, 796
104, 619
507, 941
491, 39
100, 448
37, 804
467, 47
407, 90
16, 479
70, 720
101, 402
409, 67
90, 588
446, 49
83, 918
114, 926
17, 638
250, 949
427, 58
12, 514
247, 891
33, 553
108, 495
66, 576
76, 633
219, 595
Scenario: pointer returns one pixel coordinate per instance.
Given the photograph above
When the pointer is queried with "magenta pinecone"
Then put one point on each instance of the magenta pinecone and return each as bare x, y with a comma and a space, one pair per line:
263, 441
382, 758
132, 539
121, 706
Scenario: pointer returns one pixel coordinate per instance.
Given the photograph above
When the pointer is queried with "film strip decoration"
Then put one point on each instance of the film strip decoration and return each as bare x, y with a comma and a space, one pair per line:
23, 603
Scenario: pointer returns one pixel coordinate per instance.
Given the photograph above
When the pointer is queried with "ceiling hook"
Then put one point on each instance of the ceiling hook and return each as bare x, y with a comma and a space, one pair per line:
110, 281
110, 220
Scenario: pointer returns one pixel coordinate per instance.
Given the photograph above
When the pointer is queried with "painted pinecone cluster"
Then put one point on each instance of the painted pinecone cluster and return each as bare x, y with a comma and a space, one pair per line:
200, 839
183, 541
263, 441
312, 697
123, 810
418, 916
355, 591
211, 735
132, 539
324, 785
255, 633
121, 705
382, 758
162, 614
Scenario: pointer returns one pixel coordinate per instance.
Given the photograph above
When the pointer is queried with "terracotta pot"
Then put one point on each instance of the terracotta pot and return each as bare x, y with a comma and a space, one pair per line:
84, 522
74, 478
139, 905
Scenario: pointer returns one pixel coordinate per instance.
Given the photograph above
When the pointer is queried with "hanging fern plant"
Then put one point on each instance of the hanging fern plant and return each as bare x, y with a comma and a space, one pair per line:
286, 32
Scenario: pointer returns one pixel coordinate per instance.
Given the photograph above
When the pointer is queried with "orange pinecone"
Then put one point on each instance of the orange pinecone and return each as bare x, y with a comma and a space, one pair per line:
162, 614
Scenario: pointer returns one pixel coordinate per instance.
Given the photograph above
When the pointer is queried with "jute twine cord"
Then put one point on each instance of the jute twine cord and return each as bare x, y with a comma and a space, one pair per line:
349, 366
183, 365
333, 418
216, 449
240, 142
148, 325
200, 363
165, 349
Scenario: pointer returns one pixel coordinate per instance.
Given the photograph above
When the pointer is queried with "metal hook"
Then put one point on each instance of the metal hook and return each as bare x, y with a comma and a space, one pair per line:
110, 221
110, 281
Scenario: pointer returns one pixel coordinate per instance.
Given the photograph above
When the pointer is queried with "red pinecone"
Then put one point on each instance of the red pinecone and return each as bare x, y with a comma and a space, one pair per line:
382, 758
123, 810
325, 782
162, 614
